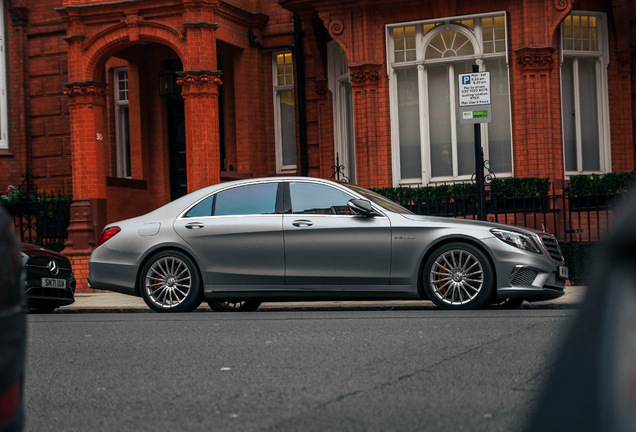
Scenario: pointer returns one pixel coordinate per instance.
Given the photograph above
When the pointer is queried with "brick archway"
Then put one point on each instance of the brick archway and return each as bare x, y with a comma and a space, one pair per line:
118, 38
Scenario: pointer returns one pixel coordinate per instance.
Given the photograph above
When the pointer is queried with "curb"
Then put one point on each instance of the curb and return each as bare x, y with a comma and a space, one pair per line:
312, 308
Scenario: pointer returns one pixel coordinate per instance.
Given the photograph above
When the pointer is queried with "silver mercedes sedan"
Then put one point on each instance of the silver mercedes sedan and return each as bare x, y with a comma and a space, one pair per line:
241, 243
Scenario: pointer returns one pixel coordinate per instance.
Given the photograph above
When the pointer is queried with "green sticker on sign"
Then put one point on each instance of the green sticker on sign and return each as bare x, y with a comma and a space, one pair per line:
480, 114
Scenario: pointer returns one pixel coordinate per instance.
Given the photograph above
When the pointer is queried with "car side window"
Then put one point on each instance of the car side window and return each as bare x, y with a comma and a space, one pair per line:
246, 200
204, 208
312, 198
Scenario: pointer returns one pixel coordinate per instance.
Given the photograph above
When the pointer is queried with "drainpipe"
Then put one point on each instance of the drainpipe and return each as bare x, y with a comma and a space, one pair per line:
300, 79
297, 49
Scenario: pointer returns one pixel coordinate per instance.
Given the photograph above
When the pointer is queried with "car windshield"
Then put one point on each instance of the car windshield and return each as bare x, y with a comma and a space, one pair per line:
378, 199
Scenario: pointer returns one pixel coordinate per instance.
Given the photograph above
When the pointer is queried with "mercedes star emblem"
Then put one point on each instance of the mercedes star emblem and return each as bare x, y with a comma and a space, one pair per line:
53, 268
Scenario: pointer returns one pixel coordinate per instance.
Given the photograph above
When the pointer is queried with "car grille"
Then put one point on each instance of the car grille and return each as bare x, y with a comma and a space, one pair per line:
524, 276
49, 293
43, 262
552, 248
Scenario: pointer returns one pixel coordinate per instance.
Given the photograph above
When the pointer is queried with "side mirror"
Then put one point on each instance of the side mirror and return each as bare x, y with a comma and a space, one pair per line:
361, 207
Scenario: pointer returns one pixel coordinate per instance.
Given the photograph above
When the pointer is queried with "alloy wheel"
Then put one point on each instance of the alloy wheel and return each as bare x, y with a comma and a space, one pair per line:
168, 282
456, 277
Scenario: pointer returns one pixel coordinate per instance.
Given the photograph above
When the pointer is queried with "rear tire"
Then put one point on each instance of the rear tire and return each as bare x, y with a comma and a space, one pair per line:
170, 282
458, 276
234, 306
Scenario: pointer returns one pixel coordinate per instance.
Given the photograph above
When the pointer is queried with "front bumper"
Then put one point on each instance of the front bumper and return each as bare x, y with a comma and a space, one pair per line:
521, 274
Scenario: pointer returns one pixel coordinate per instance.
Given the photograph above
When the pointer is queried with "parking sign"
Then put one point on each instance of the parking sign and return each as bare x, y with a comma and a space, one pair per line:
474, 98
474, 89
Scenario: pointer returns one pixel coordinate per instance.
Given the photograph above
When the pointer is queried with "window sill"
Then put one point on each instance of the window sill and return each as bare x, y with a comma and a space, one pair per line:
288, 170
5, 153
126, 183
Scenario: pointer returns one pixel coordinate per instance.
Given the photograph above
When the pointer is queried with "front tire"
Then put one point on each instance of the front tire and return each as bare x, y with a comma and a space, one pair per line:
170, 282
458, 276
234, 306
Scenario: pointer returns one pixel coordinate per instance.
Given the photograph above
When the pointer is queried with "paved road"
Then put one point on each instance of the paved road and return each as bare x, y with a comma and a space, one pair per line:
404, 370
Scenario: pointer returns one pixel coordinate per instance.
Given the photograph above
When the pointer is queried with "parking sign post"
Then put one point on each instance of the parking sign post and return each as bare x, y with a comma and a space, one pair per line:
475, 108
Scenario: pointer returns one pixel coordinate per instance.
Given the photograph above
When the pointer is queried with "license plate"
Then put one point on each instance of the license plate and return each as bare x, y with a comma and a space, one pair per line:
53, 283
563, 272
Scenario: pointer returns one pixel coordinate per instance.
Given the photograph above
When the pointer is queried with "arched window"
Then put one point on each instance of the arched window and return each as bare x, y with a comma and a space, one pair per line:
425, 59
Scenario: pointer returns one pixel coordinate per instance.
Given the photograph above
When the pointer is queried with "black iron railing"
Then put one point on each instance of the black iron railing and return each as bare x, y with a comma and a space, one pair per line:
40, 218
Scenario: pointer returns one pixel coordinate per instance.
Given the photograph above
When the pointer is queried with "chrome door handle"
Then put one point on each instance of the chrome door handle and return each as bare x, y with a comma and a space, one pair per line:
194, 225
302, 222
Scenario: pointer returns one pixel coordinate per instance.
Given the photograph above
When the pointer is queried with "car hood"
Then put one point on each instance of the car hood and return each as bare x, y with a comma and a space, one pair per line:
33, 250
469, 223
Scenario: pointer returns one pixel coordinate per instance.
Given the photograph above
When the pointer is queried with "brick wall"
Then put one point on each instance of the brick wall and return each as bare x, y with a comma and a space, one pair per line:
79, 263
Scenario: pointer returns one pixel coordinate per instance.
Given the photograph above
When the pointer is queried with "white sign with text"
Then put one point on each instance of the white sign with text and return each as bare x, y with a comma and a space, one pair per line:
474, 89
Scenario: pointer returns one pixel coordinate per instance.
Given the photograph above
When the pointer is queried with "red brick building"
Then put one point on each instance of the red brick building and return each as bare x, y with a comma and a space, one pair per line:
127, 105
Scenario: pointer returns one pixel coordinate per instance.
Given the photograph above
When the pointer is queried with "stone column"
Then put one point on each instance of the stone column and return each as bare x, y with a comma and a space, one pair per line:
201, 98
87, 101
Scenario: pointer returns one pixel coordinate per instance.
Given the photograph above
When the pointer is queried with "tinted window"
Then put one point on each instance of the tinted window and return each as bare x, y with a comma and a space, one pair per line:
247, 200
204, 208
311, 198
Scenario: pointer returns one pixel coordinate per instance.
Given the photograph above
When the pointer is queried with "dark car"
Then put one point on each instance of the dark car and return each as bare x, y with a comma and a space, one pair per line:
12, 330
49, 280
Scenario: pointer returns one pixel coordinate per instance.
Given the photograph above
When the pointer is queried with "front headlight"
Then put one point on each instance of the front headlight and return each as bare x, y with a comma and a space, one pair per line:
516, 239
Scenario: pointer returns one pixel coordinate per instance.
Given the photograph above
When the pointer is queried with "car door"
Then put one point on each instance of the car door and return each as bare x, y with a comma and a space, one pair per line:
238, 234
327, 246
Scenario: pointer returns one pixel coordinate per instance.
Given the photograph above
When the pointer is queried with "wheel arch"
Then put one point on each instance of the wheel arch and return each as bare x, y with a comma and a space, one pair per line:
453, 239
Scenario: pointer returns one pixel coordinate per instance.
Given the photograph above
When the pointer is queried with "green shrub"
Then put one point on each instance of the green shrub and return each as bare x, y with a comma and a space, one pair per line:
520, 186
606, 184
428, 194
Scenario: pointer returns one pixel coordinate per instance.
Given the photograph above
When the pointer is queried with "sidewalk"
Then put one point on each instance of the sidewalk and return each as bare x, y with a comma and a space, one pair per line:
113, 302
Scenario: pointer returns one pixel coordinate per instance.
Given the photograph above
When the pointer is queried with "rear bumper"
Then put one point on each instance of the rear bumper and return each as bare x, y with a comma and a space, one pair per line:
112, 277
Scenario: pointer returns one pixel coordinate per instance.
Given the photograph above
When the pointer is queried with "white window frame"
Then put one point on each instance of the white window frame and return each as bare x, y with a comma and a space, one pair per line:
4, 122
602, 62
422, 40
277, 90
123, 166
336, 80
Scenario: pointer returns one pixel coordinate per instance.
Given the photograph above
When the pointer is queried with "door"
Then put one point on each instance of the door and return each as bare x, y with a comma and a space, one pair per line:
176, 140
328, 246
238, 235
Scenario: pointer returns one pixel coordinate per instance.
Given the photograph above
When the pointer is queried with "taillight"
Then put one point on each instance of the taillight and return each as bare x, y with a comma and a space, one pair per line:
10, 402
107, 234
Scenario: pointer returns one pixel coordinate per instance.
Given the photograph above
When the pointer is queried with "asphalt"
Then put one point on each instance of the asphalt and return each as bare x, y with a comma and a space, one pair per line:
109, 302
